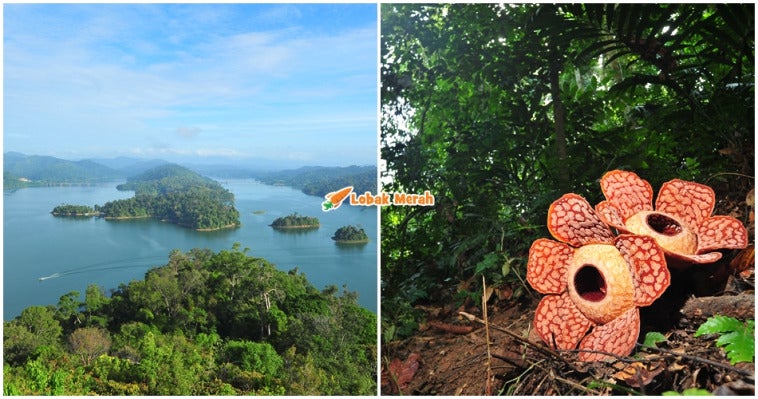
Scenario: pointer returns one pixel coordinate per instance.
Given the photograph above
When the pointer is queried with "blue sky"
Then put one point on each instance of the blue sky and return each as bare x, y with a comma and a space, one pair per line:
192, 82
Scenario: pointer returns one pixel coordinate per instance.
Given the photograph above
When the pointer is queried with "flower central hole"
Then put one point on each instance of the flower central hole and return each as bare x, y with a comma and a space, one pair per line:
663, 224
590, 284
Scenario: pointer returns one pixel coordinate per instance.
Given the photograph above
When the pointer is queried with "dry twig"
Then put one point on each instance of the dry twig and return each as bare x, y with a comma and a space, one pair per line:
488, 385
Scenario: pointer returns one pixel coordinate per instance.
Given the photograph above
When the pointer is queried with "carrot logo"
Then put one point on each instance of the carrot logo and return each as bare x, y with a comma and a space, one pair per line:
335, 198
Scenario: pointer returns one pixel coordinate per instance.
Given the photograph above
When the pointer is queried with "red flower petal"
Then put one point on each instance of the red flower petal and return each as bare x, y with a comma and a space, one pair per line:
647, 263
627, 191
572, 220
547, 264
683, 261
610, 214
617, 337
721, 232
690, 202
559, 323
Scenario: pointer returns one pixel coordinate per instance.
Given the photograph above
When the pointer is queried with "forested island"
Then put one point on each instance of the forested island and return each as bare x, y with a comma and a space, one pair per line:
319, 180
74, 210
205, 323
350, 235
177, 195
296, 221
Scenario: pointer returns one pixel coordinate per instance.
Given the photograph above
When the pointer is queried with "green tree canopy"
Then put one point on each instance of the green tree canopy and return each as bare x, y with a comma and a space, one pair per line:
205, 323
500, 109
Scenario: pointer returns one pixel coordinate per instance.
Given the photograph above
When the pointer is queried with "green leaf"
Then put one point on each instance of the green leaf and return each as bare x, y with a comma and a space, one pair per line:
739, 346
696, 392
688, 392
737, 339
653, 338
507, 267
719, 324
489, 260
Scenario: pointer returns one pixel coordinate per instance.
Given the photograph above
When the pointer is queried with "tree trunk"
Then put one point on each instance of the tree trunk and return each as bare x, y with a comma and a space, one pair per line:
555, 65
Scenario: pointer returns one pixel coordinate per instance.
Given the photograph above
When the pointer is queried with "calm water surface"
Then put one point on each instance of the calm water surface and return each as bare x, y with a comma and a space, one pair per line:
76, 252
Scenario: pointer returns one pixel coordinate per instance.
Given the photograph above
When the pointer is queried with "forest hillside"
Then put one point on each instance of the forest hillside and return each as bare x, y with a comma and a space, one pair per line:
205, 323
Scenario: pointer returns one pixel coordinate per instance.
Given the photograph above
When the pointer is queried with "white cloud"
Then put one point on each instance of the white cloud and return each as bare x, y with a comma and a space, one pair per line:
129, 75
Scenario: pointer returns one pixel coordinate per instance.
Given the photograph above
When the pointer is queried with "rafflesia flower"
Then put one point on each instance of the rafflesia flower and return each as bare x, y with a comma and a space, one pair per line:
593, 282
681, 222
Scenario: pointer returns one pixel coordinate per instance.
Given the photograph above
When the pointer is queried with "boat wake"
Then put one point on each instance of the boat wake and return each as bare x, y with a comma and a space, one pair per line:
54, 275
107, 265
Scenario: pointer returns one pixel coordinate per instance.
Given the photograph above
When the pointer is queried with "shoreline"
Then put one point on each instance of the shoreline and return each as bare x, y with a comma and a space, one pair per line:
305, 226
228, 226
125, 217
351, 241
75, 215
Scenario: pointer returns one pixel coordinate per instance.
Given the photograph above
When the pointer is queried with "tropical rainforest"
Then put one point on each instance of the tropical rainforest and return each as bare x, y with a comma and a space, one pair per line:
73, 210
350, 234
177, 195
500, 109
205, 323
295, 220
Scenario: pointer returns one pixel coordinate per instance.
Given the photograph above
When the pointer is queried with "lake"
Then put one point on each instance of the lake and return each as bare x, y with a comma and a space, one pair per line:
71, 253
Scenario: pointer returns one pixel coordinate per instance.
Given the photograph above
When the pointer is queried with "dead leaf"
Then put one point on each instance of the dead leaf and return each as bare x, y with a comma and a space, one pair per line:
638, 374
400, 374
735, 388
504, 292
488, 293
750, 198
745, 260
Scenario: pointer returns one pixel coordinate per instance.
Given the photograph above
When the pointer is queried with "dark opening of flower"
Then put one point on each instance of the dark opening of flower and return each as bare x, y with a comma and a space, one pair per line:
590, 284
663, 224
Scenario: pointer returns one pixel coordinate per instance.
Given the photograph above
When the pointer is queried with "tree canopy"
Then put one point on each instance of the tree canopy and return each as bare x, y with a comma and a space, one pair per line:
500, 109
295, 220
350, 234
205, 323
73, 210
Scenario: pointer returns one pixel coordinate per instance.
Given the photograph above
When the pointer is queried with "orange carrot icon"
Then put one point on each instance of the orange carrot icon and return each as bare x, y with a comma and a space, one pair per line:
335, 198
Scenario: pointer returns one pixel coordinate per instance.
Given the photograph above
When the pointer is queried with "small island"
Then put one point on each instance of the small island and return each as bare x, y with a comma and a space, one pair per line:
74, 211
296, 221
350, 235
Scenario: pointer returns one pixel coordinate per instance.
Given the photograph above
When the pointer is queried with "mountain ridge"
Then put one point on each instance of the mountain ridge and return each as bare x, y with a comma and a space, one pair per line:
22, 170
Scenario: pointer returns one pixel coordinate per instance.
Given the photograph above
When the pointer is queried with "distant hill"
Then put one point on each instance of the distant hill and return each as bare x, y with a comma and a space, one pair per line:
46, 170
320, 180
129, 166
166, 178
35, 170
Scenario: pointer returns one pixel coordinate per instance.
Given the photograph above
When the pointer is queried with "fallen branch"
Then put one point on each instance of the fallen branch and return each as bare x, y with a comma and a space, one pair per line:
740, 306
451, 328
